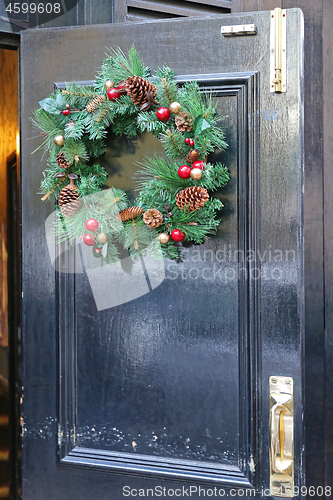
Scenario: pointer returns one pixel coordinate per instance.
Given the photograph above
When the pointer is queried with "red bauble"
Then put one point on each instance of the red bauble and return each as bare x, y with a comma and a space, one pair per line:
113, 94
89, 240
191, 142
187, 140
184, 172
163, 114
92, 225
199, 164
121, 88
66, 112
177, 235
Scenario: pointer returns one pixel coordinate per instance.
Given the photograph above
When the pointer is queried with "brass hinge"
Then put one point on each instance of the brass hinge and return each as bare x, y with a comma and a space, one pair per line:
278, 49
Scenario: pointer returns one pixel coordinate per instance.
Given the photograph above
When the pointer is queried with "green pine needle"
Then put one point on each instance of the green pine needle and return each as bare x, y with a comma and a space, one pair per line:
157, 178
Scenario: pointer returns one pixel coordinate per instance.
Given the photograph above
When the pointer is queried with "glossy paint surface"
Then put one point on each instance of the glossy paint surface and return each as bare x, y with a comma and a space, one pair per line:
187, 365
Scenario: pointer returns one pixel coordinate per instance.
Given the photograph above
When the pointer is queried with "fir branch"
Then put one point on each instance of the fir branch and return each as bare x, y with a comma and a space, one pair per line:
167, 90
170, 250
53, 189
149, 121
50, 127
124, 66
78, 96
113, 255
173, 143
74, 149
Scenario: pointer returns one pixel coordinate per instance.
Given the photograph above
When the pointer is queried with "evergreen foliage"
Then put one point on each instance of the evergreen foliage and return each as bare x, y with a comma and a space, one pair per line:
84, 130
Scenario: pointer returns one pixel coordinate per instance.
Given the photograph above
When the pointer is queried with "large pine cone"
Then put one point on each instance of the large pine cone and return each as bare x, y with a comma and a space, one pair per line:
61, 160
192, 198
192, 156
153, 218
183, 122
137, 88
69, 200
96, 101
129, 213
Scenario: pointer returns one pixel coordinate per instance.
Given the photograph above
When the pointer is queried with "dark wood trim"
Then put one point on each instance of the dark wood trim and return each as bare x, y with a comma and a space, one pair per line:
126, 463
14, 322
254, 5
314, 365
318, 365
180, 9
119, 11
328, 230
9, 41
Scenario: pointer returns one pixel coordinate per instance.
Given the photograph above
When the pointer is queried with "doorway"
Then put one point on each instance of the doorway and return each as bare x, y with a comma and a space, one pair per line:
9, 265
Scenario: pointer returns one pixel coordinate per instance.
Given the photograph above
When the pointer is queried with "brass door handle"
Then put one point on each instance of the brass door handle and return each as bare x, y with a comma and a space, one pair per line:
281, 436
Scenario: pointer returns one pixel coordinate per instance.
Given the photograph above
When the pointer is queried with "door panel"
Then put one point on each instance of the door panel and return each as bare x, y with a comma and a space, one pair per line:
170, 388
166, 377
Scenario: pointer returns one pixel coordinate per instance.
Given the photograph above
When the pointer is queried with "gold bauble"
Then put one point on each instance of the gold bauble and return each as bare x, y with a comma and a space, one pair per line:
196, 174
59, 140
175, 107
102, 238
109, 84
163, 238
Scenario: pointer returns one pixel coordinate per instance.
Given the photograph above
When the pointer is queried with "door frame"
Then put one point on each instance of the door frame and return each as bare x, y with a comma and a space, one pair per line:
11, 41
316, 340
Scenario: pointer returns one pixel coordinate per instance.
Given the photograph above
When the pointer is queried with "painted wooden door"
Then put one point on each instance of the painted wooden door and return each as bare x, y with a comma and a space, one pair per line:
169, 393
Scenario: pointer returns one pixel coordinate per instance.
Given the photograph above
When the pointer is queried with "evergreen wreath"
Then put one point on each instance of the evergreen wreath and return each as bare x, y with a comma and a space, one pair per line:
173, 203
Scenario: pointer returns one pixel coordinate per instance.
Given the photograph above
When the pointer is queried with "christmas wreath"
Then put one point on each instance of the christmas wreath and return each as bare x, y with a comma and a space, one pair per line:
173, 202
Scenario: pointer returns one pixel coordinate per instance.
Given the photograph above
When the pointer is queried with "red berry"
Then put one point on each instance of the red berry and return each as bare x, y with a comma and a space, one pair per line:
113, 94
92, 224
163, 114
66, 112
191, 142
89, 240
184, 172
177, 235
187, 140
199, 164
121, 88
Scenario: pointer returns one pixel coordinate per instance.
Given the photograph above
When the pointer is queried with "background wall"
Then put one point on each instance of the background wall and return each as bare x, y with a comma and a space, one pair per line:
8, 143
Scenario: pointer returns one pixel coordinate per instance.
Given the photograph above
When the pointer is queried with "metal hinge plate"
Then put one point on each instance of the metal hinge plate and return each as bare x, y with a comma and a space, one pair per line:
278, 51
239, 30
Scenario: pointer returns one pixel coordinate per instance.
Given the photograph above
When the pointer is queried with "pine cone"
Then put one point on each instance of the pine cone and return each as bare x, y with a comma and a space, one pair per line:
183, 122
96, 101
153, 217
192, 198
61, 160
69, 200
129, 213
192, 156
137, 88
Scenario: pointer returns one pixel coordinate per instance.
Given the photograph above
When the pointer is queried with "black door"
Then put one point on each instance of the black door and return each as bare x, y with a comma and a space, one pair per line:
171, 389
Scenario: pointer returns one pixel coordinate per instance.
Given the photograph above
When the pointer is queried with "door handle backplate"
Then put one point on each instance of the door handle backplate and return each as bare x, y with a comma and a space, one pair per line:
281, 405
